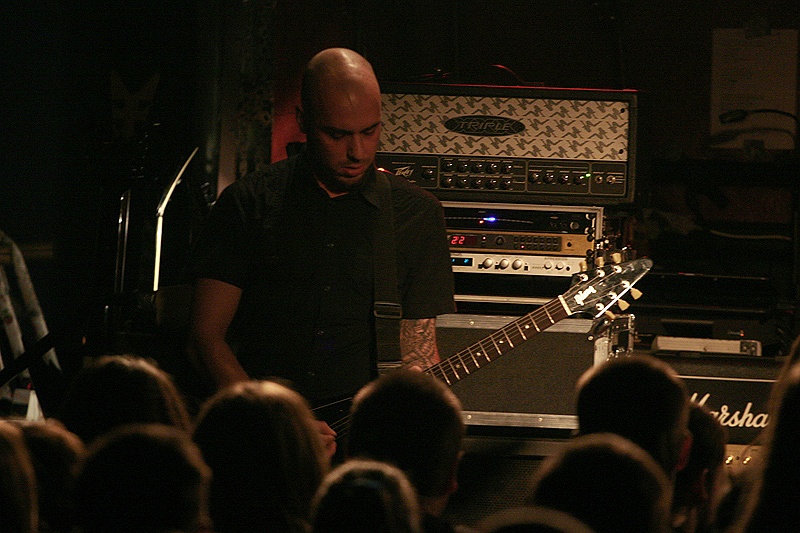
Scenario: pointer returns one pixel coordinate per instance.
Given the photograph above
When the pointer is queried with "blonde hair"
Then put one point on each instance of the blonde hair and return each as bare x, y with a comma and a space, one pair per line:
365, 496
18, 501
263, 445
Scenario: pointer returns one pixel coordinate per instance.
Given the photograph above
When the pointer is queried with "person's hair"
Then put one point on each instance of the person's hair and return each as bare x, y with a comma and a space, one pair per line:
143, 478
263, 445
607, 482
412, 420
772, 502
709, 439
641, 398
792, 358
364, 496
56, 454
532, 519
115, 390
18, 501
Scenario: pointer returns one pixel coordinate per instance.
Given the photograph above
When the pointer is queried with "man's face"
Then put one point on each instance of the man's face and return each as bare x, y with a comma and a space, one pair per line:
342, 132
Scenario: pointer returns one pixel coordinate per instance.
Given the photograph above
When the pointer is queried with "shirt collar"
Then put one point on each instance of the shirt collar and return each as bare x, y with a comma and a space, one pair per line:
368, 189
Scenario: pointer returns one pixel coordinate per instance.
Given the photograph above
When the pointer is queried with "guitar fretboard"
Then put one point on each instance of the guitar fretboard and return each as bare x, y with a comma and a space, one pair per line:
460, 365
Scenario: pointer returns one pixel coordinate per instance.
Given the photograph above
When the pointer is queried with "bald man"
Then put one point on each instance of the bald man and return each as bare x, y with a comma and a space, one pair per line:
285, 267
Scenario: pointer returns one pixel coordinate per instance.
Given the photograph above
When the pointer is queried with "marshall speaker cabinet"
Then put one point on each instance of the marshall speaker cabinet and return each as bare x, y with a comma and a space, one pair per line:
533, 385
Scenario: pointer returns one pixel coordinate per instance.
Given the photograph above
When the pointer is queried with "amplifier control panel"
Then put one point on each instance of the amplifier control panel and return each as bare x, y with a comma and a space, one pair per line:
454, 177
466, 262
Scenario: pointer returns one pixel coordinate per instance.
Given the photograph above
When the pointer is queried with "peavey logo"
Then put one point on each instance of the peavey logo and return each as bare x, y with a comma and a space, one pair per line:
486, 126
405, 172
740, 419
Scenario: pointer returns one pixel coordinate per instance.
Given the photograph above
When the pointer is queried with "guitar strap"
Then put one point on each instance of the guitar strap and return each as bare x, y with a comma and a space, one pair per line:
387, 308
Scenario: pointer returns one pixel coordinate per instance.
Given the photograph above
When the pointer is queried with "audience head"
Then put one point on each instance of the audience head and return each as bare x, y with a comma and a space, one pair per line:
532, 519
364, 496
143, 478
703, 483
776, 395
116, 390
56, 454
607, 482
772, 502
18, 501
263, 445
642, 399
412, 420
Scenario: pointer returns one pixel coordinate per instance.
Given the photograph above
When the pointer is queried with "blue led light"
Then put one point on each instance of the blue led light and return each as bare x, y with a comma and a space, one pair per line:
490, 219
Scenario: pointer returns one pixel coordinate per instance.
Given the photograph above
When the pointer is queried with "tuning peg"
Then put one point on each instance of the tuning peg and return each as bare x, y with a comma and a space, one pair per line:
610, 315
636, 293
600, 261
583, 266
623, 304
616, 257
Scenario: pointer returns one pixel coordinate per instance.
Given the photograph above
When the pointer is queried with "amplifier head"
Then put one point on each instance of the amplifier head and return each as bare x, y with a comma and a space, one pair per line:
512, 144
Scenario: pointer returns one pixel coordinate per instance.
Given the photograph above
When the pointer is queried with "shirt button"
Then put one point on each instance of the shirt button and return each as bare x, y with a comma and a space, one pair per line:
326, 288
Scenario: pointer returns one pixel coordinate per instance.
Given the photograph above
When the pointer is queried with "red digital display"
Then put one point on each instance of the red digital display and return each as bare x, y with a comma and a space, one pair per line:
457, 239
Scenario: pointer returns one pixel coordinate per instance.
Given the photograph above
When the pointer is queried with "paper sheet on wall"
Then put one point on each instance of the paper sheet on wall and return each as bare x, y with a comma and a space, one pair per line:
754, 72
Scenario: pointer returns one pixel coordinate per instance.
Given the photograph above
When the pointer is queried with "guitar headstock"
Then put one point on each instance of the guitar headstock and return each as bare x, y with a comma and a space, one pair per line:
596, 291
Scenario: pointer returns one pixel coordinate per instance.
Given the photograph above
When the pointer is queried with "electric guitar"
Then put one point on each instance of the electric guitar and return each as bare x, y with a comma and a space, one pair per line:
593, 295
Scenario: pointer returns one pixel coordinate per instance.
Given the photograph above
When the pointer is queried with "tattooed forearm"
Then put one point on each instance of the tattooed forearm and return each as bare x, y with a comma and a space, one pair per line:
418, 343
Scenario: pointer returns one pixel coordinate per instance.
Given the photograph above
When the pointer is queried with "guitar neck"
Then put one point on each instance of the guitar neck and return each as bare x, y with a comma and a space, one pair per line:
463, 363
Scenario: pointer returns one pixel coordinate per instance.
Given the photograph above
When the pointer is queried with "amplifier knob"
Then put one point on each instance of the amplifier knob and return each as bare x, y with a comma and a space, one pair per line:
517, 264
507, 168
487, 263
549, 177
505, 184
548, 265
429, 173
462, 183
492, 183
447, 182
559, 266
477, 167
463, 166
448, 166
477, 183
579, 179
563, 178
504, 264
493, 168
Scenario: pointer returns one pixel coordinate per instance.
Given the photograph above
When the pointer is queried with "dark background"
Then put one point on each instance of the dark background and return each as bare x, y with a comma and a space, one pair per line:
227, 83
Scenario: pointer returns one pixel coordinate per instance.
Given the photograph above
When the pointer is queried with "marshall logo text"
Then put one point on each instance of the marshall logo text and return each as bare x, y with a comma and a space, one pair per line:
731, 418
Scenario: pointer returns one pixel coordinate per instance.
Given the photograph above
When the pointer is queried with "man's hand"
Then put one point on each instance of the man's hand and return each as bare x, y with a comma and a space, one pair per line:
328, 438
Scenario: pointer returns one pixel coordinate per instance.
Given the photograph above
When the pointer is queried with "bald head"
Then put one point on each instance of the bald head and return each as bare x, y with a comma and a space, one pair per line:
340, 114
339, 68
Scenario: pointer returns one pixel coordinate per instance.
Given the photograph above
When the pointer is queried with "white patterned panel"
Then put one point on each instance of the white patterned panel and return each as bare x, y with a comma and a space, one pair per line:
554, 129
